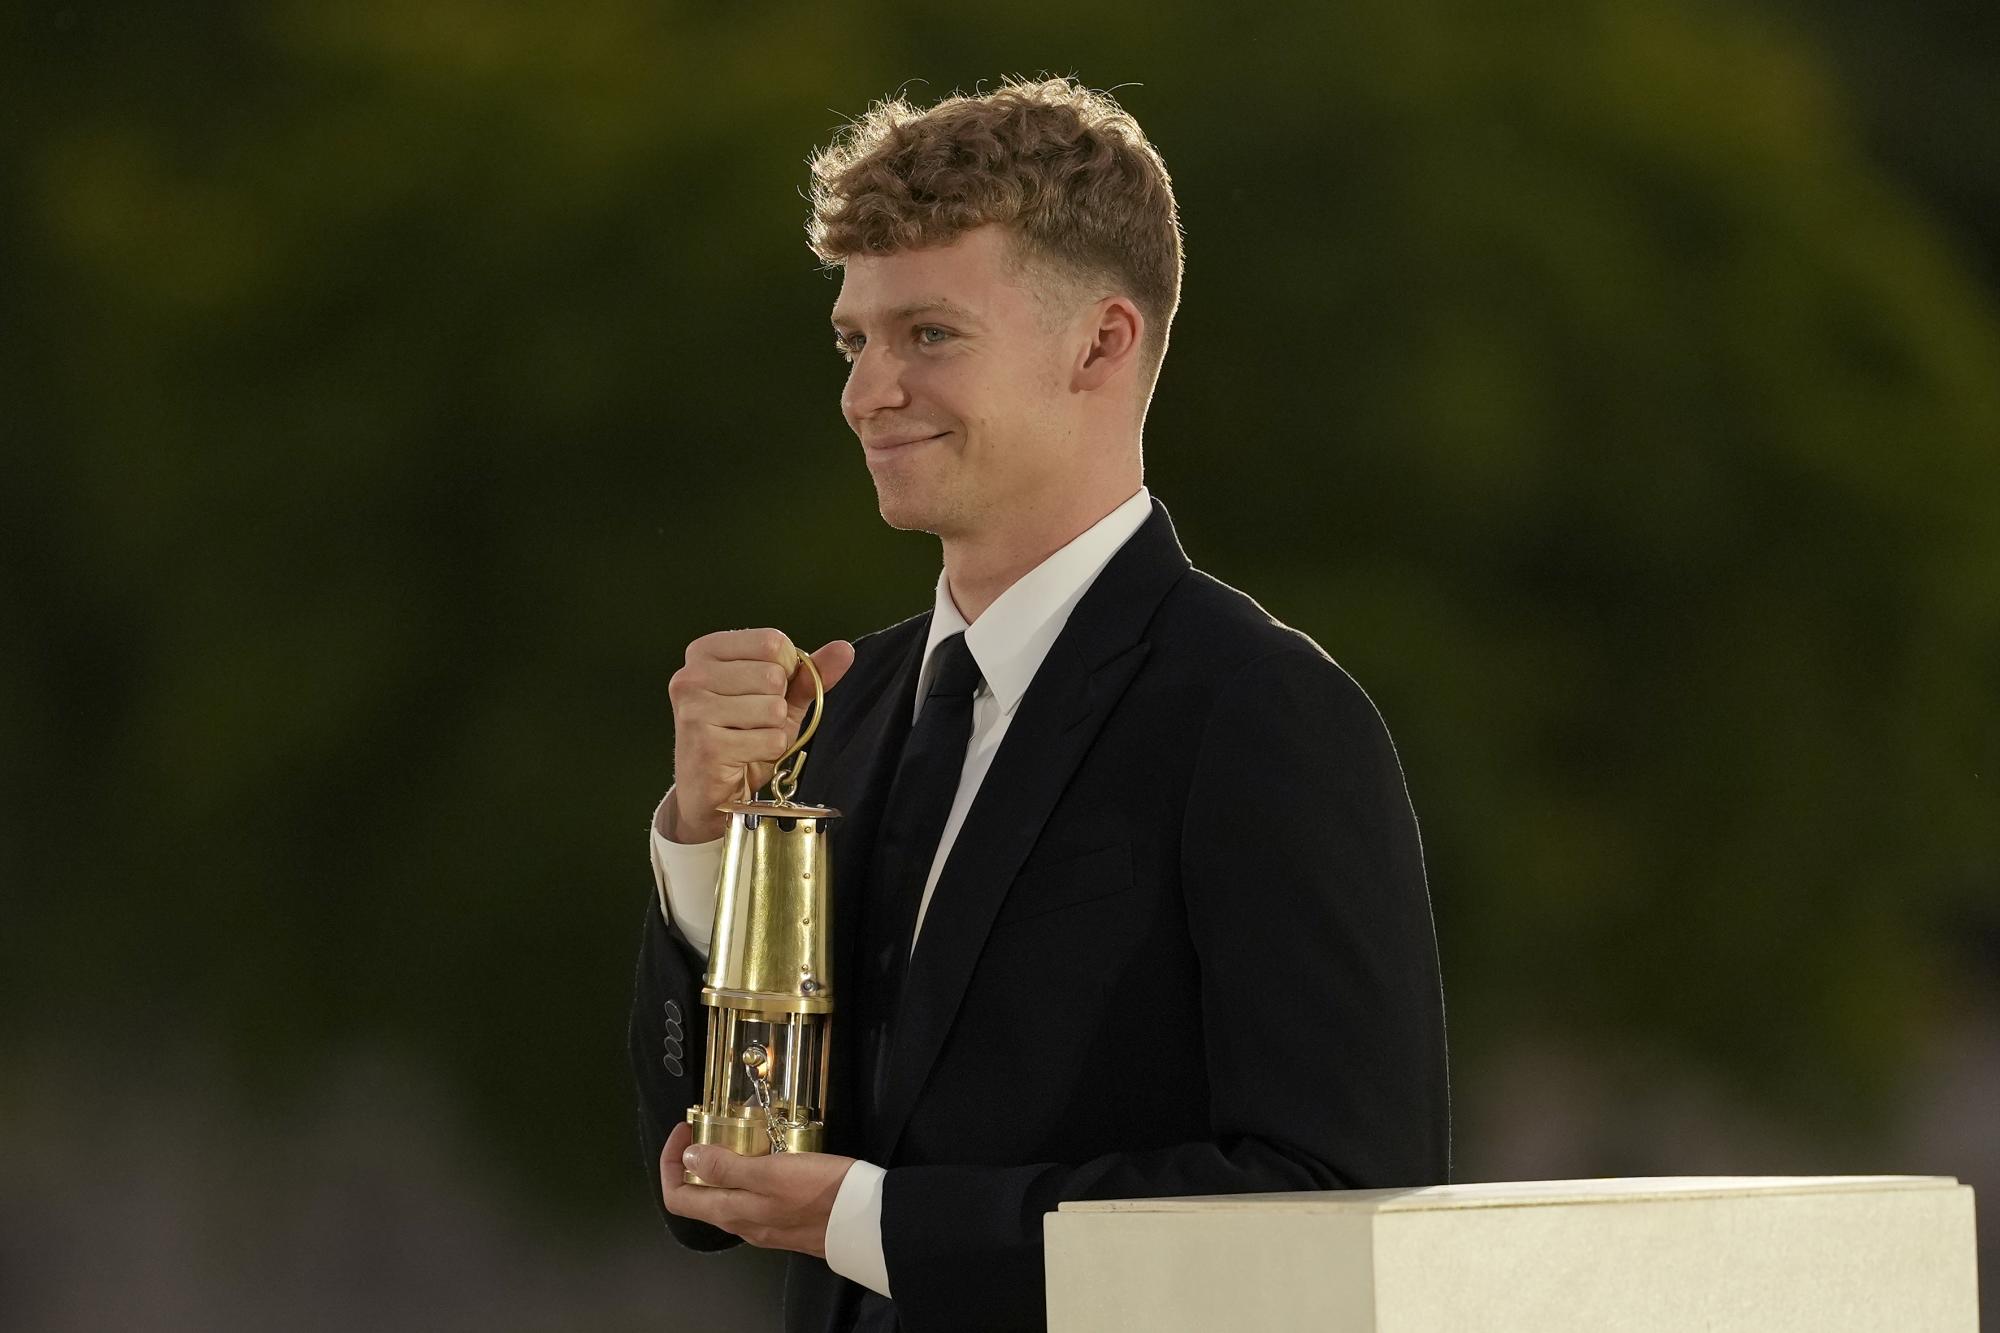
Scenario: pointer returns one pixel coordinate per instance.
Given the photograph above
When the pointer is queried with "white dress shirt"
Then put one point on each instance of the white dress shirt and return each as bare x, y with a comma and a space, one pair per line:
1008, 642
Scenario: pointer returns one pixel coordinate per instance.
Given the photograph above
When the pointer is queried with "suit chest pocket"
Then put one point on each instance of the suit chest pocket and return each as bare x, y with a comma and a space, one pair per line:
1068, 879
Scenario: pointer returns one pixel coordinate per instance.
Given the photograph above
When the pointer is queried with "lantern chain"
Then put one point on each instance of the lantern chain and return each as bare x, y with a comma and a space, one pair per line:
774, 1123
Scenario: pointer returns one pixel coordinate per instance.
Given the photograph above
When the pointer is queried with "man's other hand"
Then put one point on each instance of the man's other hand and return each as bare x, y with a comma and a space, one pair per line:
780, 1202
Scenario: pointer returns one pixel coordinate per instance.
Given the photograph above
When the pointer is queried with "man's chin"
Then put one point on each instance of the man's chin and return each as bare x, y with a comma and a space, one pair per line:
910, 523
905, 512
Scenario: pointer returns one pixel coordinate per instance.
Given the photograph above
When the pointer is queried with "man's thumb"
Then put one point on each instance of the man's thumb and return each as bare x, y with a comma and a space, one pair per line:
832, 662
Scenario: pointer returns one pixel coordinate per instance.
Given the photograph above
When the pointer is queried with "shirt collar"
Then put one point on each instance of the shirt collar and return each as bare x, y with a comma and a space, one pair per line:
1016, 632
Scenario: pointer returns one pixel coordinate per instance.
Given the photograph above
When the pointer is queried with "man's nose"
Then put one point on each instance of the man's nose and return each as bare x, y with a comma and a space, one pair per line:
874, 382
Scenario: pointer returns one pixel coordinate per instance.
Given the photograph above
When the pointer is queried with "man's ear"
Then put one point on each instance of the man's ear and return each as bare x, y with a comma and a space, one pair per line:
1115, 334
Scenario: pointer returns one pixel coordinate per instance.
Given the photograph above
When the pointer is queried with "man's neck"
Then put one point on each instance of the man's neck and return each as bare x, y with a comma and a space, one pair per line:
978, 567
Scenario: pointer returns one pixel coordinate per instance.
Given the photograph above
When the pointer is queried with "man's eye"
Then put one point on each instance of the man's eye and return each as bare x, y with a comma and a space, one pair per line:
924, 331
848, 345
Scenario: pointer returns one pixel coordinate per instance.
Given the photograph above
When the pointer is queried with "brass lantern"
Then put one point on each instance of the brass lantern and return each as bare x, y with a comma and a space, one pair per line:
769, 990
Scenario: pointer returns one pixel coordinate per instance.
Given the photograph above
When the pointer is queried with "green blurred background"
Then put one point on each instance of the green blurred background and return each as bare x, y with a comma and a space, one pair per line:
391, 390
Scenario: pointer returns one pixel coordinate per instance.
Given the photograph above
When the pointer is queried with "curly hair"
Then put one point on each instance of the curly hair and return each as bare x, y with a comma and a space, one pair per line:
1065, 166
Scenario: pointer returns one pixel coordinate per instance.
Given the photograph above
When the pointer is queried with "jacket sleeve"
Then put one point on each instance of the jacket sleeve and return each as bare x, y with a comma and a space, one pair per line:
1304, 885
668, 1033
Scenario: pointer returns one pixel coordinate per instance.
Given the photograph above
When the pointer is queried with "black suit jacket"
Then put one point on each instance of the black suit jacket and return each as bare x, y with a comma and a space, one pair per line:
1182, 945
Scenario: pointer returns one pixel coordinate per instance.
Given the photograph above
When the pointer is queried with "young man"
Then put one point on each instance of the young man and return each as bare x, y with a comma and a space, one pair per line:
1131, 900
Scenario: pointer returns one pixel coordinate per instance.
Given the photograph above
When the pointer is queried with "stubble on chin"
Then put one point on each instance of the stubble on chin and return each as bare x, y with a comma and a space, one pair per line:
908, 509
927, 497
900, 509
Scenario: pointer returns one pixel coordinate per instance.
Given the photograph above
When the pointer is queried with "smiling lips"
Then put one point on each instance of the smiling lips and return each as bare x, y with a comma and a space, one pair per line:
886, 446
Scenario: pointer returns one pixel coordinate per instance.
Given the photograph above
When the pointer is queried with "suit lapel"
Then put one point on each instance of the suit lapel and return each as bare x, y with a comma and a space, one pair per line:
1086, 672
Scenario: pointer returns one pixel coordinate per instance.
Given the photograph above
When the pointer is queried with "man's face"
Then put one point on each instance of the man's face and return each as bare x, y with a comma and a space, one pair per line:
957, 387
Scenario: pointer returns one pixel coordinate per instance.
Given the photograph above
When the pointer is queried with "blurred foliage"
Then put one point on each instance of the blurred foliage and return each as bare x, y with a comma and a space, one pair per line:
394, 389
1921, 80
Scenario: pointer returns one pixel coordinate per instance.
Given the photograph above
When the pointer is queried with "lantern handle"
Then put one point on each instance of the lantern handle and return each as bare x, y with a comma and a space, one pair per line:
786, 781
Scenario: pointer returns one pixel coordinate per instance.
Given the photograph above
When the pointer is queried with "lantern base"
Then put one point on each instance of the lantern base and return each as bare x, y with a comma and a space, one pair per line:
747, 1135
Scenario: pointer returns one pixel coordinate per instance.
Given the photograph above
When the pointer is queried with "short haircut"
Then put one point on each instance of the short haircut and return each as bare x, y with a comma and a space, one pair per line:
1065, 166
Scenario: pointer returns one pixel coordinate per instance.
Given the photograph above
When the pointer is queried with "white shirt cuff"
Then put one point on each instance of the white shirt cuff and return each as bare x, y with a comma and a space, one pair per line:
854, 1229
685, 874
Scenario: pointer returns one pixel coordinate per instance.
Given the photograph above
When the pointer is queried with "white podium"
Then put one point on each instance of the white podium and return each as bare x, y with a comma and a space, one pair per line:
1759, 1254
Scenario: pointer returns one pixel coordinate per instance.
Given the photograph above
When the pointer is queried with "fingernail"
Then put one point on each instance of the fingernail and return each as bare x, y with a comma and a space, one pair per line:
691, 1159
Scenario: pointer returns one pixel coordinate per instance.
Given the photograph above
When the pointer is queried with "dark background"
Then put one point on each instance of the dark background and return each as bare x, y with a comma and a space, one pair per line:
391, 390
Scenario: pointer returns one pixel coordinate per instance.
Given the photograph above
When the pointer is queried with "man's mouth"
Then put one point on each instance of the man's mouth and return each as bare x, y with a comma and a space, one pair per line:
904, 442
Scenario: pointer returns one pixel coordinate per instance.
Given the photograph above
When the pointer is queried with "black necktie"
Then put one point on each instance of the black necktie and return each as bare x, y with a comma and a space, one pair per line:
920, 798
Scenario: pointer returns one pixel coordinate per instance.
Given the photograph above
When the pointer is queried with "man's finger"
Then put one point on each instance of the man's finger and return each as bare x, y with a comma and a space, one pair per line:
725, 676
725, 1169
671, 1178
704, 1203
743, 645
728, 1209
832, 662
